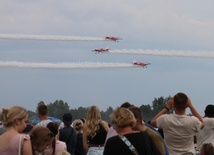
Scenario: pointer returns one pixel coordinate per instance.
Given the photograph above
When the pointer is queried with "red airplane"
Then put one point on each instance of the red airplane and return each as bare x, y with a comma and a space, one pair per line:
99, 50
143, 64
112, 38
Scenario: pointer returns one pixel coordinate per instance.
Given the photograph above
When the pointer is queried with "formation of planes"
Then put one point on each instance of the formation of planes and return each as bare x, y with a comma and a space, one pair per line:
116, 39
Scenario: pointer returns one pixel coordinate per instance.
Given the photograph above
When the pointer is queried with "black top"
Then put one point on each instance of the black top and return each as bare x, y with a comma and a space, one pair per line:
69, 136
79, 145
100, 136
141, 141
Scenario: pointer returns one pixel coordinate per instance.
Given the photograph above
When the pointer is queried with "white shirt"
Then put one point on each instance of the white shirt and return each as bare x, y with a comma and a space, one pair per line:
206, 135
179, 131
43, 123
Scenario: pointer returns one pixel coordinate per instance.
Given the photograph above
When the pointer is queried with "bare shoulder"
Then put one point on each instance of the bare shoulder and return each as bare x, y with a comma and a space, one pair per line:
105, 125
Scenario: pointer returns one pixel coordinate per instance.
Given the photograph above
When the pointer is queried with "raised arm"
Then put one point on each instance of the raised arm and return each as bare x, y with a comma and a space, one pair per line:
169, 105
194, 112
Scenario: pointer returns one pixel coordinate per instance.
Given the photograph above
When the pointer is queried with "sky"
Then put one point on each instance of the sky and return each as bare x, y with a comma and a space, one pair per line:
160, 26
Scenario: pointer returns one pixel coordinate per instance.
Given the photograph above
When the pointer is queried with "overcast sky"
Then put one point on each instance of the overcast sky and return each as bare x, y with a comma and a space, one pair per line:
159, 25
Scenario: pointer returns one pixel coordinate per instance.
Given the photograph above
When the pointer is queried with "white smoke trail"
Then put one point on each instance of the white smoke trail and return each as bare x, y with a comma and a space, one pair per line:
64, 65
172, 53
47, 37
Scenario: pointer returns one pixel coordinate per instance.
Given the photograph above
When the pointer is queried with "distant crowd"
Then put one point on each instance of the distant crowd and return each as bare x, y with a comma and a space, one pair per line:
127, 134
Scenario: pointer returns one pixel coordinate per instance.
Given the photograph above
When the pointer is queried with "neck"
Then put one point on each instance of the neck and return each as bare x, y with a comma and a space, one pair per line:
43, 117
13, 130
179, 112
126, 130
140, 127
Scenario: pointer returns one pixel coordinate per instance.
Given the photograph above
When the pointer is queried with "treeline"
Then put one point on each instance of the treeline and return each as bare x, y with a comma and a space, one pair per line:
59, 107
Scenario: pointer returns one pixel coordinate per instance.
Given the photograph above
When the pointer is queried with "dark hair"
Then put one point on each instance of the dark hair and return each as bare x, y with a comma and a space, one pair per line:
137, 113
209, 111
42, 110
180, 101
207, 149
83, 120
28, 128
67, 119
126, 105
53, 127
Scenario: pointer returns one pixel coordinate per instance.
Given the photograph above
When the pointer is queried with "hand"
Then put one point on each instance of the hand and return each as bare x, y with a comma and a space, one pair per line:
189, 103
170, 103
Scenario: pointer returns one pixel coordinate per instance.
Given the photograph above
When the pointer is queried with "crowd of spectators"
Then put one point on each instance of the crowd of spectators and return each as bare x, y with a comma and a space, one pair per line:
127, 134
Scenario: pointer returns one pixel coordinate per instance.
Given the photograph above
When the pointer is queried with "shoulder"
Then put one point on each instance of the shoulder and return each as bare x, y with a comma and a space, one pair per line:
164, 116
112, 140
151, 132
25, 136
194, 119
208, 120
60, 143
208, 123
163, 119
105, 125
66, 129
43, 123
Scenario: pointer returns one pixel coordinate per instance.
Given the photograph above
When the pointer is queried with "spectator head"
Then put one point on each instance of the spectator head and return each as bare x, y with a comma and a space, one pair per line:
15, 116
42, 110
207, 149
180, 101
137, 113
93, 113
126, 105
53, 127
83, 120
67, 119
41, 137
123, 117
28, 128
78, 125
209, 111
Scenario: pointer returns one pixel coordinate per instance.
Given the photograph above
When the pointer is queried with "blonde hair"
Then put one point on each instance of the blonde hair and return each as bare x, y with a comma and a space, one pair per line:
78, 124
93, 120
123, 117
9, 116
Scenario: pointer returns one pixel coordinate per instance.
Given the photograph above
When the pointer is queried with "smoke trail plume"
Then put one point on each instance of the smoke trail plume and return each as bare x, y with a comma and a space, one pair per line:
63, 65
47, 37
172, 53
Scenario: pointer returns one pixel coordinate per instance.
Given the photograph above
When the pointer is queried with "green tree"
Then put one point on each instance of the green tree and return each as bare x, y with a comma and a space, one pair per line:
105, 114
58, 108
31, 113
79, 113
147, 112
158, 104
